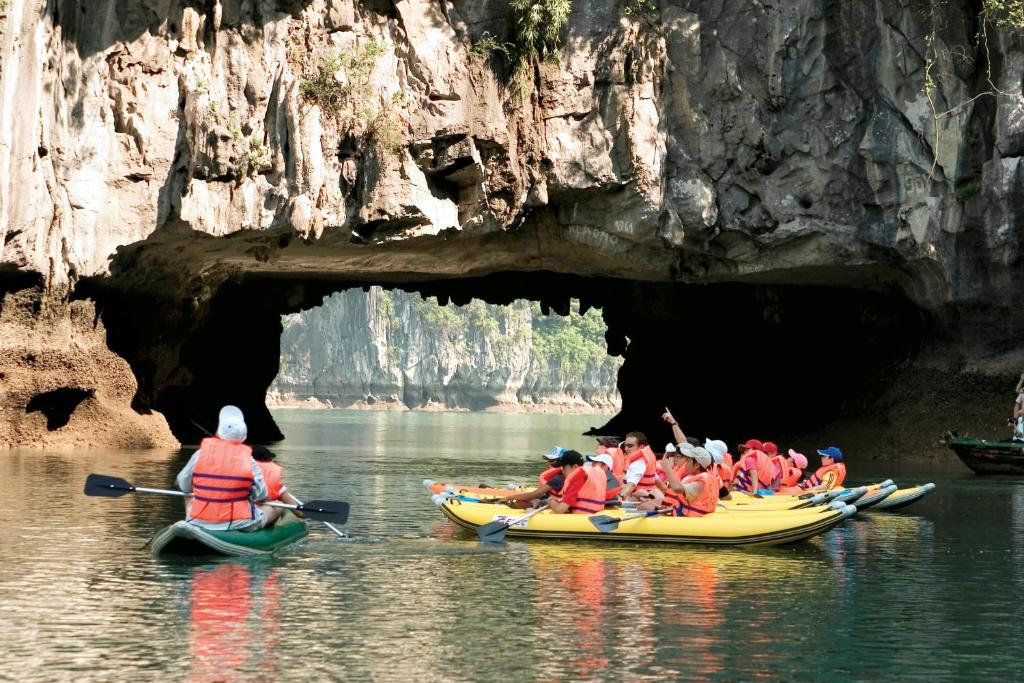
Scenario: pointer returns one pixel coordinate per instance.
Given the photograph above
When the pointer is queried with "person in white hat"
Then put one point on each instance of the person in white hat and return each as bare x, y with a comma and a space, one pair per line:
690, 489
604, 462
224, 482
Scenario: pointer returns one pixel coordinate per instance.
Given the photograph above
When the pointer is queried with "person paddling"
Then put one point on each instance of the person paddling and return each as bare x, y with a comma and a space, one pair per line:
273, 475
224, 480
549, 483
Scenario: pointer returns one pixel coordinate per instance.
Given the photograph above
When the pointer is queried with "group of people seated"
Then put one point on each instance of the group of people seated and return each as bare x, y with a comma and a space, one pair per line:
688, 479
229, 482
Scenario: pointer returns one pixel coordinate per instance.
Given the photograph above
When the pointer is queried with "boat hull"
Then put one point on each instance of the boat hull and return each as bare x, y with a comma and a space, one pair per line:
719, 528
189, 540
989, 457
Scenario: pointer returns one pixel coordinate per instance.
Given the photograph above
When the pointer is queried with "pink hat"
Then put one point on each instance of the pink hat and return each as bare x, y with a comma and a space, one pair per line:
799, 459
770, 448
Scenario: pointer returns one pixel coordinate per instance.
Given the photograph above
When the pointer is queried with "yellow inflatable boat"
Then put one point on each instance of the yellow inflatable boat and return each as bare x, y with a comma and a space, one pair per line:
720, 528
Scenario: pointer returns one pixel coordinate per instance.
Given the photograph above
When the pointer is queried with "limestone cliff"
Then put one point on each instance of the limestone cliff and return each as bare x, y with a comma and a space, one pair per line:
268, 152
381, 349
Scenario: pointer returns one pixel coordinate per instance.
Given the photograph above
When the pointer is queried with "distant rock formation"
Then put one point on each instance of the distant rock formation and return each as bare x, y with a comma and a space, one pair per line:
392, 350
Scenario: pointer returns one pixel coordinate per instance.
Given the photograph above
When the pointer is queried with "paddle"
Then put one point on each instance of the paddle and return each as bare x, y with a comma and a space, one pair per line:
494, 532
339, 532
606, 523
115, 487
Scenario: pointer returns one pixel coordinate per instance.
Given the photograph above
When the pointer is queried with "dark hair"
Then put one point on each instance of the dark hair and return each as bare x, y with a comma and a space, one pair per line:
571, 458
692, 441
262, 453
641, 440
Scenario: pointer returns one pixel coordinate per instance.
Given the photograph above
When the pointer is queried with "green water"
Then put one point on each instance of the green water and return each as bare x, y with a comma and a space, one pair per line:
931, 593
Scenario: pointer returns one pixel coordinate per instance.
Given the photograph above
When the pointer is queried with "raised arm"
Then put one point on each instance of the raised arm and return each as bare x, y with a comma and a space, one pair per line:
677, 432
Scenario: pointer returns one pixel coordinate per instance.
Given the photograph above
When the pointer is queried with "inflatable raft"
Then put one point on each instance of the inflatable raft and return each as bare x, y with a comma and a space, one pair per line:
904, 497
719, 528
182, 538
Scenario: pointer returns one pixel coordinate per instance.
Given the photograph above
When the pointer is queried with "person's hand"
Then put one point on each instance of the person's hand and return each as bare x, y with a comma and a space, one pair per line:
667, 417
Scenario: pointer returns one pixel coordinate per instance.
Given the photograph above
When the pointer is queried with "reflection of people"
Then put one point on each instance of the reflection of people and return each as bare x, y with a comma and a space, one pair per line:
584, 488
225, 480
220, 634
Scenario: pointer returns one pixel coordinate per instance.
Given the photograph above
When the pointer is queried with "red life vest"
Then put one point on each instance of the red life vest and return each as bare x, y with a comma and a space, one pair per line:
756, 460
545, 476
779, 466
590, 498
647, 481
704, 503
221, 482
832, 475
272, 473
792, 476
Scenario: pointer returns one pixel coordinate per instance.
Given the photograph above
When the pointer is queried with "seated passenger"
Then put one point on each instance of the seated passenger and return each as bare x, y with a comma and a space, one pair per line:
273, 476
831, 473
691, 490
612, 445
612, 485
753, 471
641, 470
796, 463
225, 481
549, 483
584, 489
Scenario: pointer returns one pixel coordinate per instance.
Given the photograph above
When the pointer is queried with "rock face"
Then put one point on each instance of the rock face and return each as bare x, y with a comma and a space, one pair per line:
285, 149
383, 349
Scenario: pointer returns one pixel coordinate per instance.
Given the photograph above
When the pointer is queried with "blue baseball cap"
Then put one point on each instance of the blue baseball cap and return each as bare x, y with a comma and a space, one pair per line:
555, 453
832, 452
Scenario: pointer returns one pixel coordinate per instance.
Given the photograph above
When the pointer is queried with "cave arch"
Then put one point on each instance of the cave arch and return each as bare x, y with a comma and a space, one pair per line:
729, 359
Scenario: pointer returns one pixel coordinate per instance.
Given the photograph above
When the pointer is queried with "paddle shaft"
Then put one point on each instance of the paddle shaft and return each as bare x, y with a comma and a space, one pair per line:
169, 492
339, 532
495, 532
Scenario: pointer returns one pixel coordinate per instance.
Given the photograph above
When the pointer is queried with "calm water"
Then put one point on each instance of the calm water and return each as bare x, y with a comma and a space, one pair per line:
931, 593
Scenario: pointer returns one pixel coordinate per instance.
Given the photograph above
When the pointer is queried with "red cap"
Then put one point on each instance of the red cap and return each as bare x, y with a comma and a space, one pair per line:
751, 443
770, 448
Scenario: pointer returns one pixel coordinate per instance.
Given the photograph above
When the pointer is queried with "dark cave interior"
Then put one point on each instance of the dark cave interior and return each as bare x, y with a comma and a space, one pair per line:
731, 360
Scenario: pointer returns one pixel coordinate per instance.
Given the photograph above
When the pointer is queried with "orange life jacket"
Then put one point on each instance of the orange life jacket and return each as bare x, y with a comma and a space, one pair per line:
779, 467
590, 497
221, 482
755, 460
546, 477
272, 473
647, 481
706, 502
832, 475
792, 476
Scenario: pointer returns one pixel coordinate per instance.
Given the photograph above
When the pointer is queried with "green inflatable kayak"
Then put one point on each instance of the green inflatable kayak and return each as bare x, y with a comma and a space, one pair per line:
182, 538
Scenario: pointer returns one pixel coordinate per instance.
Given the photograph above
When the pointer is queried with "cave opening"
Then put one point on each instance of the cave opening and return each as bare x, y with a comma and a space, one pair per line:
58, 405
731, 360
395, 350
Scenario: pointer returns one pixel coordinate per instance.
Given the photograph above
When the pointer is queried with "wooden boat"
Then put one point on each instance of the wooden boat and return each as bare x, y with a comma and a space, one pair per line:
182, 538
988, 457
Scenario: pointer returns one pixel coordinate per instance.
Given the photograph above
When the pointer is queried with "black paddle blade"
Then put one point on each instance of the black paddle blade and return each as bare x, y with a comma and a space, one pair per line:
326, 510
492, 532
107, 487
604, 523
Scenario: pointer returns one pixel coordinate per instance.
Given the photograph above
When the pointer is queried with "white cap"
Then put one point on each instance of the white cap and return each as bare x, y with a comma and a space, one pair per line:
231, 424
670, 448
717, 449
701, 455
602, 458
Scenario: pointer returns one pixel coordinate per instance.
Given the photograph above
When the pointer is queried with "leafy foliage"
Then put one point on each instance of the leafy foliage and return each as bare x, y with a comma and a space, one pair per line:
353, 101
536, 26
